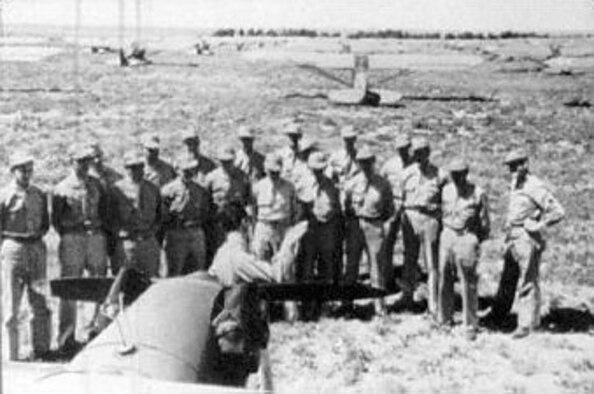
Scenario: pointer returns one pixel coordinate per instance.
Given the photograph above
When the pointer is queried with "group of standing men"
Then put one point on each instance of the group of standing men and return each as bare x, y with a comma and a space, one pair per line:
108, 220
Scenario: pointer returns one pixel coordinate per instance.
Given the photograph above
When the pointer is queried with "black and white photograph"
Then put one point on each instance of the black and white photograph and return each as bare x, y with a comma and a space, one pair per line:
306, 196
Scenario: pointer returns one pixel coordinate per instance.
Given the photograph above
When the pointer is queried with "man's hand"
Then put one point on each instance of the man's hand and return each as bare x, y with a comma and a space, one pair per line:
534, 226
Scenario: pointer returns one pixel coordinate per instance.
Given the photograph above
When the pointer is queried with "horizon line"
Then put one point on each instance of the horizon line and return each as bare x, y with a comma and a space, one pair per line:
553, 32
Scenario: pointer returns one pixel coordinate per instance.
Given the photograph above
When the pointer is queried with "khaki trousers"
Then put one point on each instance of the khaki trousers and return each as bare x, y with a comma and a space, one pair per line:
367, 237
24, 268
458, 253
267, 240
78, 252
185, 251
420, 234
393, 226
521, 265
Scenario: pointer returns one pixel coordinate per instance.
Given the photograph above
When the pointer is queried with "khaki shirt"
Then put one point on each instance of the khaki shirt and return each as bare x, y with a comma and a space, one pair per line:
289, 161
303, 179
228, 187
252, 165
137, 208
275, 201
233, 265
78, 205
393, 171
185, 204
423, 190
342, 167
467, 211
532, 200
23, 212
369, 198
159, 173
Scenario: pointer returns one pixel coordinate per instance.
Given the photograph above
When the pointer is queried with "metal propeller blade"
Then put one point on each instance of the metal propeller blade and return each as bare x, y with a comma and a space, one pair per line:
317, 291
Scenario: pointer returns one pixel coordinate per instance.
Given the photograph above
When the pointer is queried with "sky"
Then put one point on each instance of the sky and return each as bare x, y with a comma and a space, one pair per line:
483, 15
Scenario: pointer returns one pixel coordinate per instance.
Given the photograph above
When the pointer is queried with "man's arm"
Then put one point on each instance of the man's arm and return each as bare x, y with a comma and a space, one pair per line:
295, 208
388, 208
159, 218
552, 212
58, 203
45, 220
251, 270
2, 216
165, 208
484, 222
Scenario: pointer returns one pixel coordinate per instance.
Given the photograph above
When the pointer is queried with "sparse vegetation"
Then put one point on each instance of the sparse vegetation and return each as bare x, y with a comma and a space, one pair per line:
379, 34
404, 353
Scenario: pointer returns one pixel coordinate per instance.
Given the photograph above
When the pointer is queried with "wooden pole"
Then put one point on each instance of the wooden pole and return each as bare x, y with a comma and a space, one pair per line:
1, 278
121, 23
138, 22
76, 70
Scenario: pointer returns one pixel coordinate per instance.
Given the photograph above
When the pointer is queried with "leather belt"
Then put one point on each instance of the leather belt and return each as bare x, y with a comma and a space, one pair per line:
274, 222
21, 238
136, 236
83, 231
368, 219
463, 231
183, 225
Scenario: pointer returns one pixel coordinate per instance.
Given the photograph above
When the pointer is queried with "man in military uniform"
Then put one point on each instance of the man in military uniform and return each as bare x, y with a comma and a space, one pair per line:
205, 165
343, 164
301, 176
368, 204
531, 209
228, 186
104, 173
421, 184
24, 220
156, 170
323, 241
138, 216
107, 176
275, 209
79, 213
321, 257
465, 226
289, 155
247, 159
233, 263
393, 171
187, 207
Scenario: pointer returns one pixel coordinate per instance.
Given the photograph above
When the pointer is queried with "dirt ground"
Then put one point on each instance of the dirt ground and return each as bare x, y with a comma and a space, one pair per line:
216, 94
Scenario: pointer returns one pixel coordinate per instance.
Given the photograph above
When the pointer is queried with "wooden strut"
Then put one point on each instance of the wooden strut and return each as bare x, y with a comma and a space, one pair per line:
98, 290
77, 84
473, 98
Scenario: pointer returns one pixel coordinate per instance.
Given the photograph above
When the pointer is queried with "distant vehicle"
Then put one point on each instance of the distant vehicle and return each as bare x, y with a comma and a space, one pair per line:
360, 91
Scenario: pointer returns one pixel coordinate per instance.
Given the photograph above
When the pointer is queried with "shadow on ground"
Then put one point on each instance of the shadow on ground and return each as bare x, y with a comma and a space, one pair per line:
563, 320
556, 320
